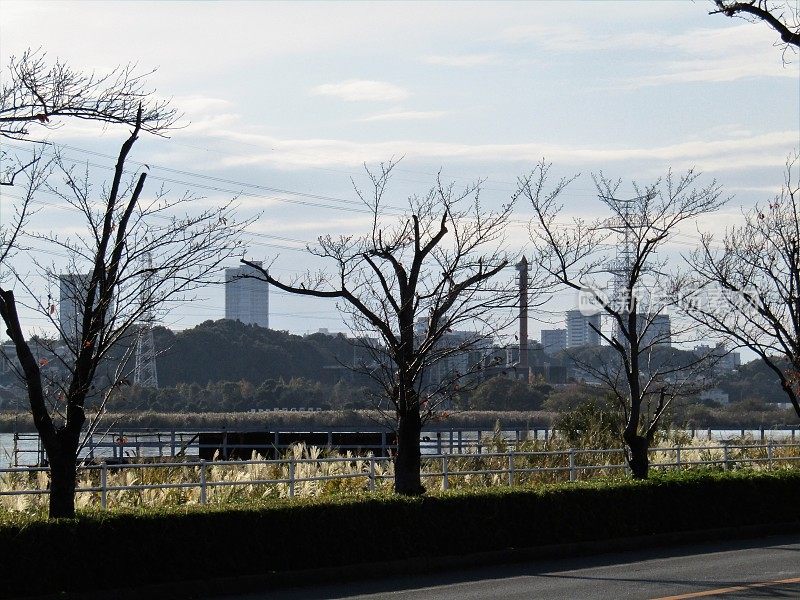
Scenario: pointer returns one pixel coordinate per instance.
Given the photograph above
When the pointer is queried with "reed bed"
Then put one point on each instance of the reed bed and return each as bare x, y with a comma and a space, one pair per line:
318, 472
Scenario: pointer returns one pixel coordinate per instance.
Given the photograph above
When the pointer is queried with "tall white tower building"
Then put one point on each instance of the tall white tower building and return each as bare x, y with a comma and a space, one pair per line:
246, 298
655, 330
72, 292
582, 329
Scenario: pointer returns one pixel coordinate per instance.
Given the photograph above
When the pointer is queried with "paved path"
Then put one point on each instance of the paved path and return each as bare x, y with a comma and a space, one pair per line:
762, 568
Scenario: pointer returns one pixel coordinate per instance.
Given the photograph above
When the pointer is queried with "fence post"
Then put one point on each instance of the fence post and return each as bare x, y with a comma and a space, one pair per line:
371, 473
103, 484
727, 465
572, 473
511, 468
291, 478
445, 480
203, 496
769, 454
678, 456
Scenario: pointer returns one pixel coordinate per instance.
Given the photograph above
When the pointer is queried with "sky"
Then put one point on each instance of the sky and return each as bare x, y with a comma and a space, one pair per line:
287, 101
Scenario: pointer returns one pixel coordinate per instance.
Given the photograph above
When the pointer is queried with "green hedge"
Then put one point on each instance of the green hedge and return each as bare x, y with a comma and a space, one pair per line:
126, 549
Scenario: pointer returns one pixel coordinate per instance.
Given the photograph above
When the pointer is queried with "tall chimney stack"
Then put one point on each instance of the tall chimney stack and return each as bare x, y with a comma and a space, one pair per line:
522, 267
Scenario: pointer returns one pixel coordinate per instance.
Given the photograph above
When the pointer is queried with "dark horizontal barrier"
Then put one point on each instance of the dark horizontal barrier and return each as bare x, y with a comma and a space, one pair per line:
124, 550
231, 445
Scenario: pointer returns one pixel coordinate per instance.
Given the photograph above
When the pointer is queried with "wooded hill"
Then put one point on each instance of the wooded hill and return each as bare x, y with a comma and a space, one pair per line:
227, 350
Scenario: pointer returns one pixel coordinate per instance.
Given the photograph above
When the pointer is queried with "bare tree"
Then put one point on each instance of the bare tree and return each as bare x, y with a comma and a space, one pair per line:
576, 255
137, 256
783, 16
35, 91
749, 288
12, 226
413, 280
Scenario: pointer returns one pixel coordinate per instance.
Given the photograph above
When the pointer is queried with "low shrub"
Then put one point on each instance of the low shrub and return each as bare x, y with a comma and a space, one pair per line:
131, 548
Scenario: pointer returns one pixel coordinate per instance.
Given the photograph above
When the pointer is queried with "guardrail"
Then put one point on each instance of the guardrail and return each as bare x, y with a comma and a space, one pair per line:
120, 444
497, 468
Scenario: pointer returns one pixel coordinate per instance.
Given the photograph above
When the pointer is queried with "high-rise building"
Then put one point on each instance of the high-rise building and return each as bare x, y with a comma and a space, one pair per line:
554, 340
72, 292
247, 296
582, 330
655, 330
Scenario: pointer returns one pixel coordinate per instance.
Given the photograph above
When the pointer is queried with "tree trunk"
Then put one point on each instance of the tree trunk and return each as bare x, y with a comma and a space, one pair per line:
62, 487
63, 473
638, 459
407, 464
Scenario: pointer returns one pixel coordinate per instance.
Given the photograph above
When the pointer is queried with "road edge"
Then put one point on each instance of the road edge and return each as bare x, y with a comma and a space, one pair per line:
208, 588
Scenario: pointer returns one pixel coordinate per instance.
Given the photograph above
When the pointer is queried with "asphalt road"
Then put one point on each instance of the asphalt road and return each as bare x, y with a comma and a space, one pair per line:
762, 568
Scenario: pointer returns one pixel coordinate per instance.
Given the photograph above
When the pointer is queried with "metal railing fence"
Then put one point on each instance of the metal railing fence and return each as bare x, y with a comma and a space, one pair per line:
121, 444
487, 468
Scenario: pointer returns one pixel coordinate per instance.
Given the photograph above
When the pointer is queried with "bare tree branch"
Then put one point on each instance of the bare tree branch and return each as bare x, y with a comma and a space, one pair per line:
749, 289
412, 280
37, 92
576, 256
137, 258
783, 17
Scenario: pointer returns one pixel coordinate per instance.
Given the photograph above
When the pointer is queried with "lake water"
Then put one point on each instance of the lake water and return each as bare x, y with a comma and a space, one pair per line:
28, 445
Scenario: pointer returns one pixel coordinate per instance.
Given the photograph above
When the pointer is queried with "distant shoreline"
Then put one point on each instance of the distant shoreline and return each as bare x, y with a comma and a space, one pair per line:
320, 420
22, 422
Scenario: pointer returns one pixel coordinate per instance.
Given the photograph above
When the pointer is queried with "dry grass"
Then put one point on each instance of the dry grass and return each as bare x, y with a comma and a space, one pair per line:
322, 473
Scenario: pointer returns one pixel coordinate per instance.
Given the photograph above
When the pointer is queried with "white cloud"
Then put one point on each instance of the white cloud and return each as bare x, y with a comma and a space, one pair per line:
362, 90
700, 55
721, 148
717, 69
309, 229
767, 149
197, 104
198, 126
553, 37
462, 60
405, 115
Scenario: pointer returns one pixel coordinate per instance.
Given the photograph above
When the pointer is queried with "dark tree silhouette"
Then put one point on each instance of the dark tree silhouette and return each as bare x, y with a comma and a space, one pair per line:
137, 256
783, 17
750, 286
413, 280
37, 92
576, 255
